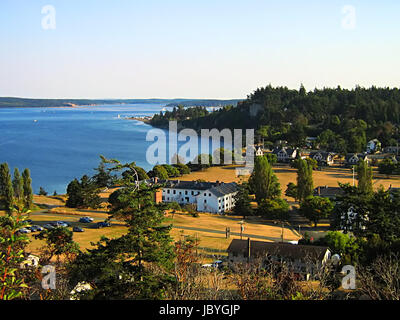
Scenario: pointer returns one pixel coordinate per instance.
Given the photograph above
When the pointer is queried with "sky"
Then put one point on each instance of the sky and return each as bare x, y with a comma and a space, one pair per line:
221, 49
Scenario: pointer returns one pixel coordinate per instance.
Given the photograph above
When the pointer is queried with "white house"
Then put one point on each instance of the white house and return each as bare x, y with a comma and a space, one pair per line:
285, 154
259, 152
323, 158
213, 197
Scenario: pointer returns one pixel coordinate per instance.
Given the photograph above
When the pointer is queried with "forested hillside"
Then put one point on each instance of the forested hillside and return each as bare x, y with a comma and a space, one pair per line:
343, 120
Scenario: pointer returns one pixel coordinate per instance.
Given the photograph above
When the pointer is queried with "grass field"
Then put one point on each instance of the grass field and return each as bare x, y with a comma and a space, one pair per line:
327, 177
211, 244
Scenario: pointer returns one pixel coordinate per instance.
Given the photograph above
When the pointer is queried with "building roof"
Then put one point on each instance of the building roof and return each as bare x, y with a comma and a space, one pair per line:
219, 189
283, 250
328, 192
223, 189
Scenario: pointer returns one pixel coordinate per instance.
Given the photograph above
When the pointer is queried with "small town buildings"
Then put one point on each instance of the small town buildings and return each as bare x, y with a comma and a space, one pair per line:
303, 260
285, 154
353, 158
323, 158
213, 197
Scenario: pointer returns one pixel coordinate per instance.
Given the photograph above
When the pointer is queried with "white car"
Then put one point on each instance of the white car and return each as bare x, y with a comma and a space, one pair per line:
24, 230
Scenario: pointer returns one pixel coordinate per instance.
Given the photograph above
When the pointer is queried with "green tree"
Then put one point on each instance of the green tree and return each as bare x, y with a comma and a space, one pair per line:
291, 190
18, 185
12, 249
6, 188
159, 172
364, 177
305, 184
28, 193
59, 242
263, 181
242, 202
83, 194
276, 209
137, 265
42, 192
316, 208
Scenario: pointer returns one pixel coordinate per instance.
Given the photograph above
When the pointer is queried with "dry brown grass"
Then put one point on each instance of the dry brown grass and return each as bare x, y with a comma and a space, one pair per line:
327, 177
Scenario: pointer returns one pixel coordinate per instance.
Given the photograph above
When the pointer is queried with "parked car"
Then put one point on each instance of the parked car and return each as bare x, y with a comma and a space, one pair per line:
86, 220
77, 229
48, 226
217, 264
103, 224
36, 228
63, 223
24, 230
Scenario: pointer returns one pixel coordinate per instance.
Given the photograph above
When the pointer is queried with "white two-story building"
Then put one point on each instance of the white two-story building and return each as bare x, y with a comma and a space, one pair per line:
213, 197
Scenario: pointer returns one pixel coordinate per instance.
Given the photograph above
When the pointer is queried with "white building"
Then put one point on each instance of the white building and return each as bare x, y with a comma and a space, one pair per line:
213, 197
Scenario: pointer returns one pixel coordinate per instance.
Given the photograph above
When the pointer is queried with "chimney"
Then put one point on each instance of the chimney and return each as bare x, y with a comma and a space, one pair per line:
248, 249
155, 179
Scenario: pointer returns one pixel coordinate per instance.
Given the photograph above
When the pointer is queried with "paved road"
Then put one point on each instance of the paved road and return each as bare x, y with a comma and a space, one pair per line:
95, 219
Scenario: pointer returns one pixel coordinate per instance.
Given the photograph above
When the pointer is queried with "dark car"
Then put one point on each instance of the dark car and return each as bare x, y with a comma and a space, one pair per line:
103, 224
86, 220
77, 229
36, 228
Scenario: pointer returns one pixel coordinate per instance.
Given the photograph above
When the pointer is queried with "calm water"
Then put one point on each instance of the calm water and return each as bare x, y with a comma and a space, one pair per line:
65, 143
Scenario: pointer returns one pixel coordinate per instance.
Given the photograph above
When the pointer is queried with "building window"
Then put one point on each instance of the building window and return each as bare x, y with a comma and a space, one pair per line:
192, 193
174, 191
186, 192
168, 191
205, 194
209, 194
205, 201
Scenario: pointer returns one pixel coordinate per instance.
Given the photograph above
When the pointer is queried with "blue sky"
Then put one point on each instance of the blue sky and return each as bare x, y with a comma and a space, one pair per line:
194, 49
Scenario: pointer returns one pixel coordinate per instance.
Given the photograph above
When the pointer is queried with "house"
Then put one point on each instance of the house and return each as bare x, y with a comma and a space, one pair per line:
373, 146
303, 260
259, 152
323, 158
285, 154
214, 197
392, 150
353, 158
328, 192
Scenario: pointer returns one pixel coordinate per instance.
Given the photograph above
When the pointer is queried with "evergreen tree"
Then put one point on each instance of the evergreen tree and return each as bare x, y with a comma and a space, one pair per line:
74, 194
27, 187
242, 202
42, 192
137, 265
18, 185
6, 188
305, 184
263, 181
364, 177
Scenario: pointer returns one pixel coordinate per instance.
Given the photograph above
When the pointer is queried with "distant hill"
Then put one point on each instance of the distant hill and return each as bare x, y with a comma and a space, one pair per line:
342, 120
9, 102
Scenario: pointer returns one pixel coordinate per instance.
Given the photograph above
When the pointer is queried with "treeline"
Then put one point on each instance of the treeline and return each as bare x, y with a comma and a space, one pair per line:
16, 192
342, 120
179, 113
